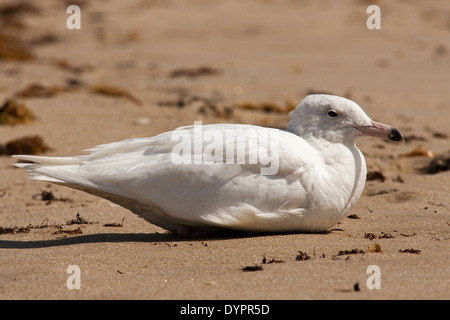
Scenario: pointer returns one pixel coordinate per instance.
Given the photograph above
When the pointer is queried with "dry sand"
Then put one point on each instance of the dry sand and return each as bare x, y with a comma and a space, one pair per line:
181, 61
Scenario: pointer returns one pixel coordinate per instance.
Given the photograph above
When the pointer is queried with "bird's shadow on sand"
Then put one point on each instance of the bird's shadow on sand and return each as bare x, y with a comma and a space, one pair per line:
88, 238
125, 237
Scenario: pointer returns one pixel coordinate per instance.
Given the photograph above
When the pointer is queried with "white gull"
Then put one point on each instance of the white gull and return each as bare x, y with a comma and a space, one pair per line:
320, 174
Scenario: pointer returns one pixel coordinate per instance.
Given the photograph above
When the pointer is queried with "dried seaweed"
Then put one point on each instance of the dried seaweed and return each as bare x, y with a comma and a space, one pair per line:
375, 248
383, 235
48, 197
17, 8
115, 92
438, 164
252, 268
265, 261
12, 49
266, 106
302, 256
13, 112
76, 69
194, 72
415, 251
59, 228
31, 145
14, 230
353, 251
115, 225
37, 90
78, 220
44, 39
375, 175
262, 106
70, 231
204, 105
439, 135
370, 236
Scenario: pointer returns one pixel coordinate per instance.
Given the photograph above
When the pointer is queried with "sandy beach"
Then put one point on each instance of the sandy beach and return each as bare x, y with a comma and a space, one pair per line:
139, 68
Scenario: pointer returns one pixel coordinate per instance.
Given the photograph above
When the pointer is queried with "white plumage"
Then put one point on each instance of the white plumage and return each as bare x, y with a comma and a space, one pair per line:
320, 172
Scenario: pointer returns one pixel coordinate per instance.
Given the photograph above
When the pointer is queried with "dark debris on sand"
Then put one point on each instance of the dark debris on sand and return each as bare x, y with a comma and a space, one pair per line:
13, 112
29, 145
438, 164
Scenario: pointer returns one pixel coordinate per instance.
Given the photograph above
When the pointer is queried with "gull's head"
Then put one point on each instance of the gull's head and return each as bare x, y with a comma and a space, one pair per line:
337, 120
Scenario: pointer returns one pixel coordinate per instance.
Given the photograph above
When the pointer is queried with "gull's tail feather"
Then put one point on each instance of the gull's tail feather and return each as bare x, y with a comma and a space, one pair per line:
46, 160
75, 171
69, 172
60, 170
66, 171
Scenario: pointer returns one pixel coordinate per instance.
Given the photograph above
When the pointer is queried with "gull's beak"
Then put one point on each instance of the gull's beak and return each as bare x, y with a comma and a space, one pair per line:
380, 130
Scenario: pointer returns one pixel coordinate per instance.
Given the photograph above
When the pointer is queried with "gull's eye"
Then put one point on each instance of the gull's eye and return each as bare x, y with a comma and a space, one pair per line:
332, 113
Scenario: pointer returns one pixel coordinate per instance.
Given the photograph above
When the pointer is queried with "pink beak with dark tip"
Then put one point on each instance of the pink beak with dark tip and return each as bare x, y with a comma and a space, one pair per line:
380, 130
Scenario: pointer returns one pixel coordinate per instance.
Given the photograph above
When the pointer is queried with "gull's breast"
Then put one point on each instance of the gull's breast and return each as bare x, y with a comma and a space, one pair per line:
334, 187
